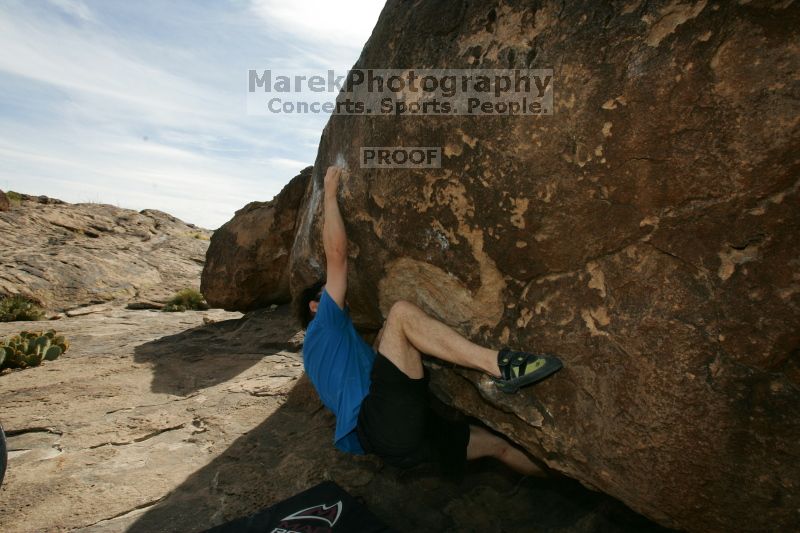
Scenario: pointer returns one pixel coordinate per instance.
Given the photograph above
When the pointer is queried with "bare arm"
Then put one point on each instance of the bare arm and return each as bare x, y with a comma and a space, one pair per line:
334, 239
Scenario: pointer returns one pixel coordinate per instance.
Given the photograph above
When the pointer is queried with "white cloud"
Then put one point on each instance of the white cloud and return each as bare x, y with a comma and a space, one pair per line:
144, 108
76, 8
345, 26
90, 65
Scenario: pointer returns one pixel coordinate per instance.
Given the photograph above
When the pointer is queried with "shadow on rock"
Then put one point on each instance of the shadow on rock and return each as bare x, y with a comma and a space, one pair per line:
181, 362
292, 450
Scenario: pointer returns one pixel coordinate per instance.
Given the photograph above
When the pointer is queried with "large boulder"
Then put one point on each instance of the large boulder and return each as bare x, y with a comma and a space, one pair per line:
247, 262
646, 233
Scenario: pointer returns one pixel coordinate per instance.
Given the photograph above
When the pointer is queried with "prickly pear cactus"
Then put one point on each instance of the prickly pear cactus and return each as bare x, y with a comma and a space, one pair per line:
53, 353
61, 342
31, 348
34, 358
41, 344
15, 359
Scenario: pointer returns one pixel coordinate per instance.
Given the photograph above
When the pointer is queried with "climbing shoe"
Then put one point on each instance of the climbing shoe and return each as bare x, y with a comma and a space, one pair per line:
522, 368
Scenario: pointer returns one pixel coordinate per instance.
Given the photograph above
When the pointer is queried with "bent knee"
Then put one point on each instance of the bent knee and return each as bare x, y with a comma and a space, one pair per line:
400, 309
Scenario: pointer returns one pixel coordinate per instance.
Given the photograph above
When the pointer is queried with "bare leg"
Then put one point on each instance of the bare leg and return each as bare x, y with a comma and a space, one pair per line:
377, 342
409, 331
483, 443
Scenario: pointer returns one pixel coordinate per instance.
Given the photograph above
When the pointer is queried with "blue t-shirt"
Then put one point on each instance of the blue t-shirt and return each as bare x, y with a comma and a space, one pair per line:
338, 362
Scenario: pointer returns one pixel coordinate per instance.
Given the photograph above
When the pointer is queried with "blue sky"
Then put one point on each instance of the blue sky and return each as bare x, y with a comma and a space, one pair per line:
142, 104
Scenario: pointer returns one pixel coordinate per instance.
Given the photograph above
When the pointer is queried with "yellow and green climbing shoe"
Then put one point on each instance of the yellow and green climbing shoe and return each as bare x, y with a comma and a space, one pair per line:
522, 368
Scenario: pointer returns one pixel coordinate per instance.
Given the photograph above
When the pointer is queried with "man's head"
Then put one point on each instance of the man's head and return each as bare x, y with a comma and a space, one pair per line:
307, 303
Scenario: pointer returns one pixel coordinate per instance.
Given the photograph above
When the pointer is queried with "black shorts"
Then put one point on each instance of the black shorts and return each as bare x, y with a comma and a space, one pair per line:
397, 423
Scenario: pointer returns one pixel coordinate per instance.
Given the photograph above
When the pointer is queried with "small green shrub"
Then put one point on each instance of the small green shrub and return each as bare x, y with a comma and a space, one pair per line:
31, 348
186, 300
14, 197
15, 308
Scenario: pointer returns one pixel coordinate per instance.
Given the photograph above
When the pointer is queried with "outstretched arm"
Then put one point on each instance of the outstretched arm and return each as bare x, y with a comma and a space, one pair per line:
334, 239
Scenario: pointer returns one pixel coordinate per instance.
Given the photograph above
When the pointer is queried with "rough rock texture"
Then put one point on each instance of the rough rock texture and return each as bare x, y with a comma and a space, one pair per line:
157, 422
5, 204
246, 264
72, 255
646, 233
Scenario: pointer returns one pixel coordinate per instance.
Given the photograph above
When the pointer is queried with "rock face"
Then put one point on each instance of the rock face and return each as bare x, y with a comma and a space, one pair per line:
5, 205
73, 255
247, 261
646, 233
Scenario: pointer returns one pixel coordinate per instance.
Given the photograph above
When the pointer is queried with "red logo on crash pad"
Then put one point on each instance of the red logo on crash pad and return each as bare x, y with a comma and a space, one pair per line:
325, 513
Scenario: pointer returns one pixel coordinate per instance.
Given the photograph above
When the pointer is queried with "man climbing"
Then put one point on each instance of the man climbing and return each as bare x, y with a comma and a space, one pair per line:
380, 396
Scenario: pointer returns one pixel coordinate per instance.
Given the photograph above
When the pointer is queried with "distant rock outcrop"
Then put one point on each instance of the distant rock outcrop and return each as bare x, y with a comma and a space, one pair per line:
646, 233
66, 256
247, 262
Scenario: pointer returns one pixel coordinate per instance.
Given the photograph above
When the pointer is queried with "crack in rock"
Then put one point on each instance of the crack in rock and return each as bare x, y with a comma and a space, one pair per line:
38, 429
122, 514
139, 439
184, 398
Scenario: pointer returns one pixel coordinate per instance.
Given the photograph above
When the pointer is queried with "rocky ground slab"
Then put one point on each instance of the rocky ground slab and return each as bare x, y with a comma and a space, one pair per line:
177, 421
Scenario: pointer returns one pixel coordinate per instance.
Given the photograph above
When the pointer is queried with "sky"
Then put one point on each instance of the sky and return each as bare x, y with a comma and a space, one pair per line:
143, 104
